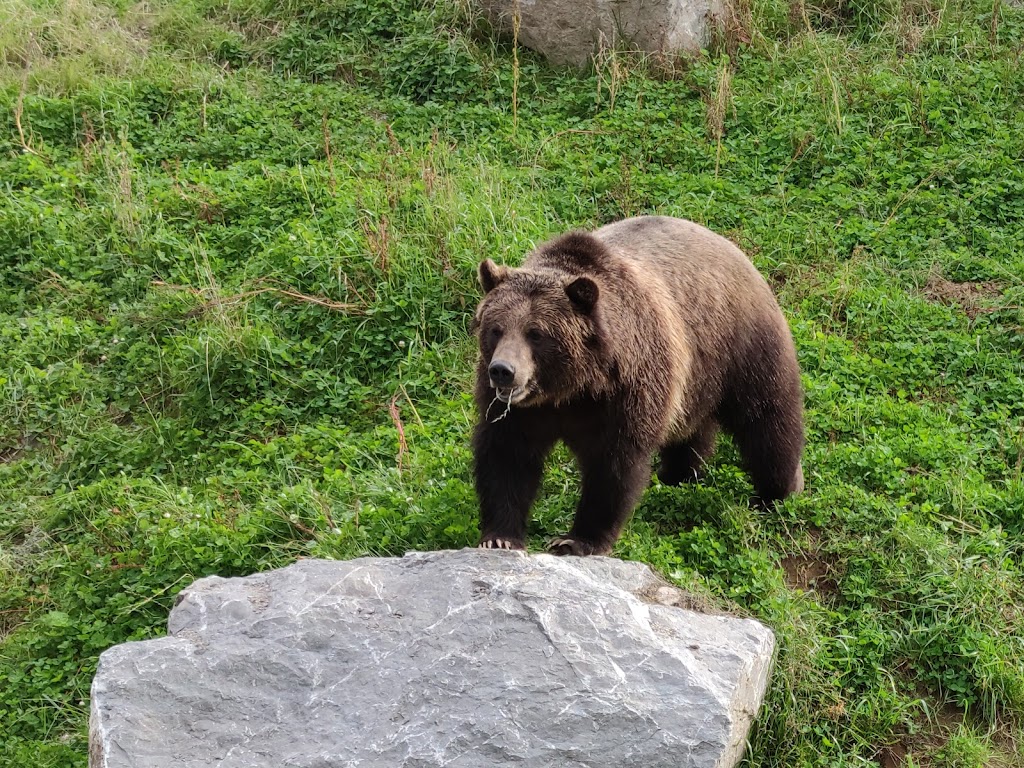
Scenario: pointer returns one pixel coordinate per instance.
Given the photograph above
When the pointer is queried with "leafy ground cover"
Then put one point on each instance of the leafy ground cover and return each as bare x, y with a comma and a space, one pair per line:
237, 252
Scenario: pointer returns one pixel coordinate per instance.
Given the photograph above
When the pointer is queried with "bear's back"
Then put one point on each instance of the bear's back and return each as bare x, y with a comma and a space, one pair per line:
707, 279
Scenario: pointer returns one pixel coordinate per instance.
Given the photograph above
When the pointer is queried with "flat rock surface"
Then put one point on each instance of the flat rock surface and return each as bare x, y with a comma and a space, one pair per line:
469, 658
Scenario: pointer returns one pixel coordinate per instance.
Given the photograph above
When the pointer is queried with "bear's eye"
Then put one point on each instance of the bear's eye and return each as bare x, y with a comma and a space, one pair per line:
495, 333
534, 334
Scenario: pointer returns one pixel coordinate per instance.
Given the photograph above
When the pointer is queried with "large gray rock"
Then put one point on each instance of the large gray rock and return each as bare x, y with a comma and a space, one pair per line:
572, 31
463, 659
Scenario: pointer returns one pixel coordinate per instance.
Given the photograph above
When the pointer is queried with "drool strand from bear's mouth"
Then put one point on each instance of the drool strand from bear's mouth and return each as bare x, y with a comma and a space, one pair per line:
497, 399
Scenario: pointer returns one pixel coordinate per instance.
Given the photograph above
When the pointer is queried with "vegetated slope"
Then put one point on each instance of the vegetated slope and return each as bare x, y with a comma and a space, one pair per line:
237, 254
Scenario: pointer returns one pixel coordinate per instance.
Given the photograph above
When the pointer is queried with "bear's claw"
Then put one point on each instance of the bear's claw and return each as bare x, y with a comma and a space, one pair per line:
495, 542
563, 545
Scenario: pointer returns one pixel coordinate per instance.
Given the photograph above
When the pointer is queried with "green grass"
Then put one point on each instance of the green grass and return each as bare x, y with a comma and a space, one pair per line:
238, 241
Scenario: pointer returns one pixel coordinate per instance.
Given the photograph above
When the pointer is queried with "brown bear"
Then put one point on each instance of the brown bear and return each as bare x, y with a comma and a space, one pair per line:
647, 335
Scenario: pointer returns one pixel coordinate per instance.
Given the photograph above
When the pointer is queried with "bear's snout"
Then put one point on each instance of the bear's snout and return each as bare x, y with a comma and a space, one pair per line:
510, 369
502, 373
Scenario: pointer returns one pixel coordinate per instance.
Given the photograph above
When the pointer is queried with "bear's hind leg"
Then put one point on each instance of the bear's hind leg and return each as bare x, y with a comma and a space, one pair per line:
770, 444
683, 462
774, 467
764, 414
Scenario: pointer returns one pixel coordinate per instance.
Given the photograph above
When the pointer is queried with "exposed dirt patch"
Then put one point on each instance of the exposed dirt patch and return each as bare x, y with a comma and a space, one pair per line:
892, 756
10, 620
810, 572
970, 297
15, 448
925, 745
929, 738
809, 569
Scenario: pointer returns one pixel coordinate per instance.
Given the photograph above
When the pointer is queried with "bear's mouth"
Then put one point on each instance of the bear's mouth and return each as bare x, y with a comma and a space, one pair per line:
510, 395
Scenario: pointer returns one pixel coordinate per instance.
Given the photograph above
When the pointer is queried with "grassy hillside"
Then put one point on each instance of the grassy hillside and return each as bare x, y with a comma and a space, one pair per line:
237, 253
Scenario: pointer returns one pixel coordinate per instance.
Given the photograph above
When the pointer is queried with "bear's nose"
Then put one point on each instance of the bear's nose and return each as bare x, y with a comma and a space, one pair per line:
502, 374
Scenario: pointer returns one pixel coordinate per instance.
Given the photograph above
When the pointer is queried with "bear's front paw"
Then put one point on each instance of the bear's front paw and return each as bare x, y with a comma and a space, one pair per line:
500, 542
569, 546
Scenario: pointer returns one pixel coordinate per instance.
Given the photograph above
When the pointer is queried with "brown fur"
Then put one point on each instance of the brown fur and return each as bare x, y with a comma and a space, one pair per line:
647, 335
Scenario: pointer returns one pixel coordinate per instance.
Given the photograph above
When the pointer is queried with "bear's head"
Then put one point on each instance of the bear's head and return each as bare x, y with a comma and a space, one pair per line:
539, 333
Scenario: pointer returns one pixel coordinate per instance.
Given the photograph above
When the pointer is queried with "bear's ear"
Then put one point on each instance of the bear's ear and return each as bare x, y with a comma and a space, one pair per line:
491, 275
583, 292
